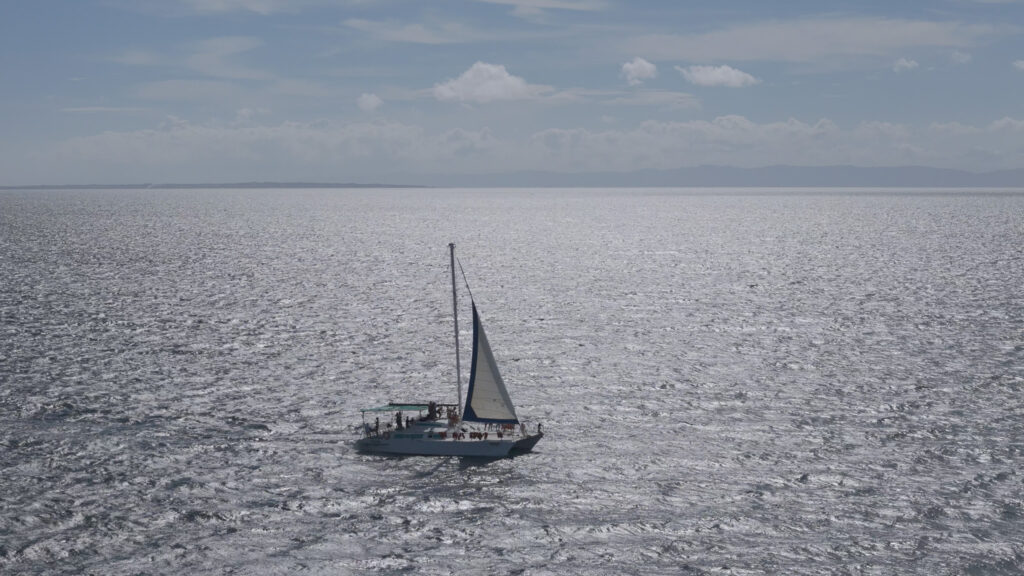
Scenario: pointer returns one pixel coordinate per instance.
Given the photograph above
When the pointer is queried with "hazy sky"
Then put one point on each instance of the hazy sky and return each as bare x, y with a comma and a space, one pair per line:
115, 91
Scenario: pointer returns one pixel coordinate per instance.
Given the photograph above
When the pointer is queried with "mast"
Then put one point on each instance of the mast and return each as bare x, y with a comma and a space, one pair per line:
455, 314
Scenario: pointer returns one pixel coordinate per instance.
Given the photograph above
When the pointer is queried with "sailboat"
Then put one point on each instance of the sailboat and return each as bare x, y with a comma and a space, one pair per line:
486, 426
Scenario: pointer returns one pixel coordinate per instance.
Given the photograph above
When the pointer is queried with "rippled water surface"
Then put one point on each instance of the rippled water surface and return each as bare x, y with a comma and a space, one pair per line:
731, 381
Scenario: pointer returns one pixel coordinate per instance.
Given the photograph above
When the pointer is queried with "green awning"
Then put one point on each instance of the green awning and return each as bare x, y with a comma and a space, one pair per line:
396, 408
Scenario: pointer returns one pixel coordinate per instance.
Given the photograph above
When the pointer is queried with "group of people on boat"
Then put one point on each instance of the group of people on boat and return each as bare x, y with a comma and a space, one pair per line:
401, 423
437, 411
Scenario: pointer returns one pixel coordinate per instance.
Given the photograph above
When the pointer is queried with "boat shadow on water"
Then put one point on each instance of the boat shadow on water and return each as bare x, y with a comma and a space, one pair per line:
468, 462
462, 462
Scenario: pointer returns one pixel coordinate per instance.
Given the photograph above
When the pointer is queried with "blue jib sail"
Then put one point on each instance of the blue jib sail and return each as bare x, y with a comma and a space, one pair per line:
487, 399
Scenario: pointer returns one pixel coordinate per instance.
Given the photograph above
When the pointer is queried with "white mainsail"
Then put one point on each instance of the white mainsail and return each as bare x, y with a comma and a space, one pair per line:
487, 399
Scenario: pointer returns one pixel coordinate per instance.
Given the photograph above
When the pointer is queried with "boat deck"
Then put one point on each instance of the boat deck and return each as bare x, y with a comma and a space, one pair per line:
440, 436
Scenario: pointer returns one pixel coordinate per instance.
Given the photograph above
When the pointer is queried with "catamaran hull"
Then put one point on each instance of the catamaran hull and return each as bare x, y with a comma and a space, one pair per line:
430, 447
524, 445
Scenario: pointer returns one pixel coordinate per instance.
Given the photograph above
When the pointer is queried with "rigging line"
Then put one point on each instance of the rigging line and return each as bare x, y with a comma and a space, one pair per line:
464, 280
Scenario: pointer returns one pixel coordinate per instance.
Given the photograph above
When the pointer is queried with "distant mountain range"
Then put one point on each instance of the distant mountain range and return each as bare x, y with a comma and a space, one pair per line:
768, 176
697, 176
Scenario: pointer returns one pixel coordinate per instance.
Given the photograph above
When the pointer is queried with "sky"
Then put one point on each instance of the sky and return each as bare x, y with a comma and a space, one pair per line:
130, 91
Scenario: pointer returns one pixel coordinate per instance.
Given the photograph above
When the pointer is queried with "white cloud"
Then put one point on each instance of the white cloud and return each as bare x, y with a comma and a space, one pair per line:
321, 150
243, 115
362, 150
955, 128
103, 110
1007, 124
738, 141
214, 58
883, 130
658, 98
415, 33
729, 140
297, 87
638, 70
1019, 64
903, 65
190, 91
534, 8
577, 5
208, 151
808, 40
369, 151
959, 57
717, 76
263, 7
369, 102
226, 79
487, 83
459, 142
136, 58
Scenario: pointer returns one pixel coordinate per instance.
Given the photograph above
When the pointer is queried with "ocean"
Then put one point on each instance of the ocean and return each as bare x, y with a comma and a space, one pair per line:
731, 381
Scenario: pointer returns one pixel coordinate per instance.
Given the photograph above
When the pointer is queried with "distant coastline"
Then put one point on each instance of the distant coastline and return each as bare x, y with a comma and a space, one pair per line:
179, 186
780, 176
707, 176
